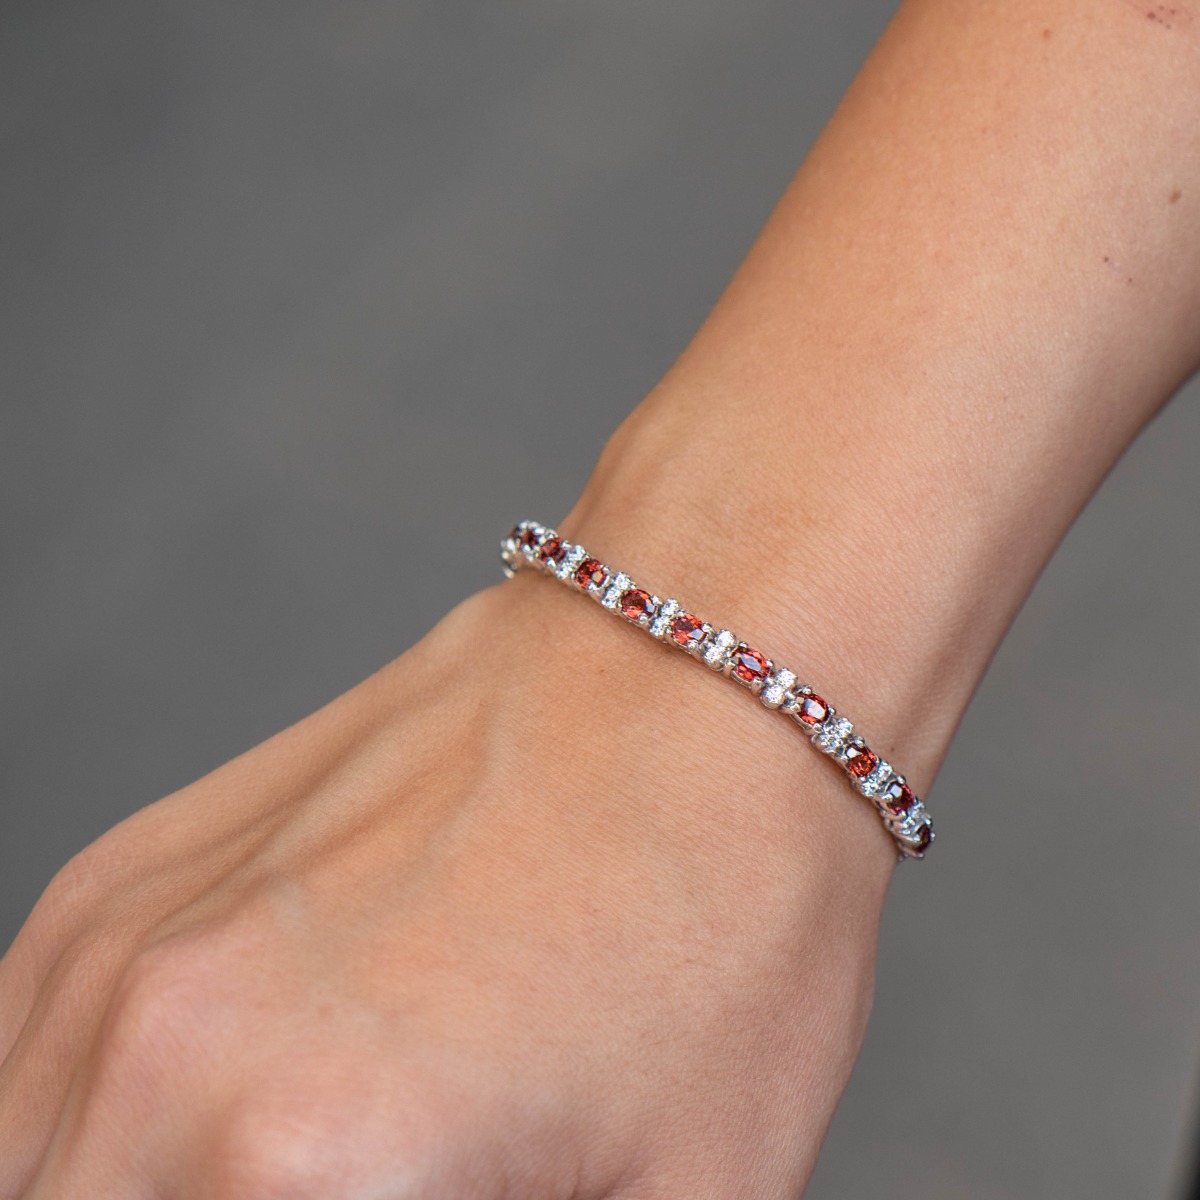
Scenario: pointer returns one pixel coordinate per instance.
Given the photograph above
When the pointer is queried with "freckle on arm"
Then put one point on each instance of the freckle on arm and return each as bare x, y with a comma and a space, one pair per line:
1165, 16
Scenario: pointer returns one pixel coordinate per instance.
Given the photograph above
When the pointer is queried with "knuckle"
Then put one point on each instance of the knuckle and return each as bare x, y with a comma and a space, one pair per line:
157, 1012
77, 884
65, 951
305, 1145
269, 1151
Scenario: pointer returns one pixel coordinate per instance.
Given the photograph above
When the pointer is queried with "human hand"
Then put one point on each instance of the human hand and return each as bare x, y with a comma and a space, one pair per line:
535, 911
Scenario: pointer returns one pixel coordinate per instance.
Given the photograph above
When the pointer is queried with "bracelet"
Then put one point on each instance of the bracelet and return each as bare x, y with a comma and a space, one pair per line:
903, 814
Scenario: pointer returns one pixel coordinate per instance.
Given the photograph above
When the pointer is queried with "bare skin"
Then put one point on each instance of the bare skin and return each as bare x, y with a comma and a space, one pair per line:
339, 967
383, 956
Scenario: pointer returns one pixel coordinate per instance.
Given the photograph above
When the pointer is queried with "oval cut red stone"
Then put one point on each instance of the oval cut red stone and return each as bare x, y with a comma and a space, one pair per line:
924, 837
552, 550
591, 573
635, 603
748, 665
813, 710
899, 798
860, 761
687, 630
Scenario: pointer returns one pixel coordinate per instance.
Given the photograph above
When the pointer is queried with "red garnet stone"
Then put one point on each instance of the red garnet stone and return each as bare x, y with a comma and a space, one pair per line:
813, 710
635, 603
552, 550
748, 665
528, 536
687, 630
899, 798
923, 839
590, 572
860, 761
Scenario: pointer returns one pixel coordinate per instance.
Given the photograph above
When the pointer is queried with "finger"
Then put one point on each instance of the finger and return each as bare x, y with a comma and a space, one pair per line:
18, 991
122, 1083
70, 909
36, 1073
39, 942
35, 1088
85, 1160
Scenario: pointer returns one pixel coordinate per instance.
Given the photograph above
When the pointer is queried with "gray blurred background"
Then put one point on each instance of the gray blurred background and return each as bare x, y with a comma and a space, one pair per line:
282, 284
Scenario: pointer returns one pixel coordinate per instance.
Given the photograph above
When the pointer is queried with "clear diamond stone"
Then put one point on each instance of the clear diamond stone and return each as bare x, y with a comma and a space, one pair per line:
621, 583
834, 735
720, 647
567, 568
874, 783
910, 826
661, 624
776, 687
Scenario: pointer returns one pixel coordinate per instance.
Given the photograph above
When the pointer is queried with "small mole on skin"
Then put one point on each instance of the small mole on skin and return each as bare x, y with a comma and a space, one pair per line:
1174, 196
1046, 33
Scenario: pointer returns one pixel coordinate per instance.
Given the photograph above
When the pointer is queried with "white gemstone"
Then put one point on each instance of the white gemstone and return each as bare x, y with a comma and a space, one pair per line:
566, 568
910, 826
620, 584
834, 735
661, 624
874, 783
776, 687
716, 653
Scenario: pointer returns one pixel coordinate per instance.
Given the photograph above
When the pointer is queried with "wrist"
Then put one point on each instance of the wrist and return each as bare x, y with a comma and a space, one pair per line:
802, 557
695, 767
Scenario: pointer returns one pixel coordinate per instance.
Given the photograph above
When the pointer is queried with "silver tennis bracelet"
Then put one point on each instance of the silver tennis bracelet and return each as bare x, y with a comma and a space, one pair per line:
903, 814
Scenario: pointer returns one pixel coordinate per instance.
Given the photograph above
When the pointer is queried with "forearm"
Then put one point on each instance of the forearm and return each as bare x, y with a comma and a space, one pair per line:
982, 282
